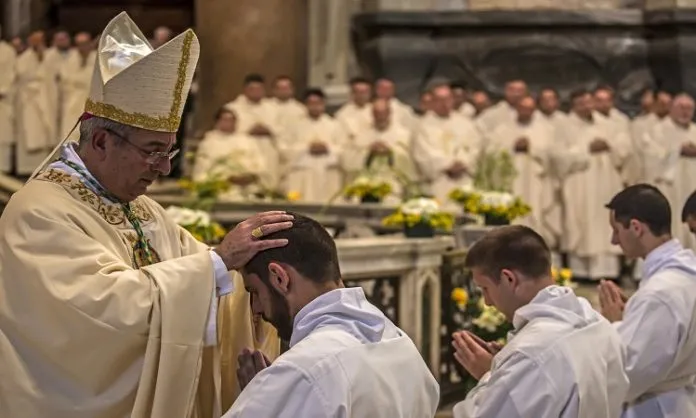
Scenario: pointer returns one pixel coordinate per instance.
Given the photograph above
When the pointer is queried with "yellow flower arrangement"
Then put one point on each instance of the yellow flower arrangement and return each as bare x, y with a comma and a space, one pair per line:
368, 186
500, 205
211, 187
420, 211
563, 277
293, 196
460, 296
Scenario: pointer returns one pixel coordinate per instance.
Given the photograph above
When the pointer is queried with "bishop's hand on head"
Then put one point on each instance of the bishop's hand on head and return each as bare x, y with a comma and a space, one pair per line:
243, 242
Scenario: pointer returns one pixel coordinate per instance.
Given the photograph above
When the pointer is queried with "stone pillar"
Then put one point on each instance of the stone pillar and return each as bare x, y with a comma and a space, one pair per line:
247, 36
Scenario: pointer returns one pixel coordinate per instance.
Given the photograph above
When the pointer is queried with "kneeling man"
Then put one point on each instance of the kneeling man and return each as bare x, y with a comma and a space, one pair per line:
346, 357
562, 359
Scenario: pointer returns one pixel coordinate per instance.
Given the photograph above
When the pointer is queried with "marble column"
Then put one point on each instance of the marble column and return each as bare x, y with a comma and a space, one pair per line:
247, 36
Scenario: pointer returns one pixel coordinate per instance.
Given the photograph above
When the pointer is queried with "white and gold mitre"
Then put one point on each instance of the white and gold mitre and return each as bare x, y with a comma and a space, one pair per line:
137, 85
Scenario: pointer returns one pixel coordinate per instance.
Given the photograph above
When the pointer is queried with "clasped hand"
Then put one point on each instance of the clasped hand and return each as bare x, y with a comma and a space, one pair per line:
456, 170
250, 363
318, 148
473, 353
522, 145
688, 150
612, 300
599, 145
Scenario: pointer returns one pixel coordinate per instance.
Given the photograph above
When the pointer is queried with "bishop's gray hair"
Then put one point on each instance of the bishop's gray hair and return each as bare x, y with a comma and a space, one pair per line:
88, 128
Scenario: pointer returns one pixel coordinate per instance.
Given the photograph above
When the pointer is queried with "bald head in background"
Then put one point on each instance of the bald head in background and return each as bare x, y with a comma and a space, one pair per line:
381, 113
61, 41
515, 90
481, 101
443, 101
385, 88
682, 111
663, 103
525, 109
83, 43
37, 41
18, 45
603, 100
161, 36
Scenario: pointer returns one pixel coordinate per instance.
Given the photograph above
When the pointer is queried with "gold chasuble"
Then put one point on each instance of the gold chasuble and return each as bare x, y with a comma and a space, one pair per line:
107, 308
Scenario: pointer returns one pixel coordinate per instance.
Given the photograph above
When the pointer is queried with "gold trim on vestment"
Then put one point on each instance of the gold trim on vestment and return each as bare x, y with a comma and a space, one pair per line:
138, 256
168, 123
110, 212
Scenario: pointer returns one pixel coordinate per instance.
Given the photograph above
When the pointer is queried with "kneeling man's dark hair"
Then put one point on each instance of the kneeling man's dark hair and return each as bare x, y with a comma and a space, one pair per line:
513, 247
310, 250
644, 203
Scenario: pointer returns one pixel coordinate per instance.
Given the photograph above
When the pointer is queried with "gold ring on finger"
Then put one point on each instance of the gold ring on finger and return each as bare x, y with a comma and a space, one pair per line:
257, 232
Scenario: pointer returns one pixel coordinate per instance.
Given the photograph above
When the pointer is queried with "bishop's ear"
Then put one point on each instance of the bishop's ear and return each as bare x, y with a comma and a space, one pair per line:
98, 142
279, 278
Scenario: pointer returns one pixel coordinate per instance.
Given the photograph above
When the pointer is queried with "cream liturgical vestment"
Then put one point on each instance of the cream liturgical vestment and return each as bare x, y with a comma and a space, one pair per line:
263, 113
589, 182
500, 113
7, 131
37, 113
74, 80
439, 143
286, 112
353, 118
533, 183
317, 178
673, 173
356, 155
223, 155
109, 308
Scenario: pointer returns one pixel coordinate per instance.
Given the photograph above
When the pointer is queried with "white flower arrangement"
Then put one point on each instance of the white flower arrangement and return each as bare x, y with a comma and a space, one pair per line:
420, 206
186, 216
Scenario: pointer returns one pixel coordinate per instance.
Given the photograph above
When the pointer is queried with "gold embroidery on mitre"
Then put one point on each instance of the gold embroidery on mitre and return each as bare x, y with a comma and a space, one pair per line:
111, 213
138, 256
168, 123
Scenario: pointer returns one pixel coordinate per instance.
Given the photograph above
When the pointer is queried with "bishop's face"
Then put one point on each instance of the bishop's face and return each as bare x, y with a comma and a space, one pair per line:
127, 164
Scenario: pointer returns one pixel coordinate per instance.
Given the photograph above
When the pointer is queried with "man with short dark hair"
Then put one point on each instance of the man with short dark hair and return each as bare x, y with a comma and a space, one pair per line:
346, 358
657, 324
562, 359
689, 213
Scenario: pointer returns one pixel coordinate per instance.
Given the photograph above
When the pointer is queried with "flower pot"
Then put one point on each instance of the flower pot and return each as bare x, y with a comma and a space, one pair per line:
419, 230
370, 198
495, 220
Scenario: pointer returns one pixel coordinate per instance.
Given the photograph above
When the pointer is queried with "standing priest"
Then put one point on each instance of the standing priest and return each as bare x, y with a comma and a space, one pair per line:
108, 308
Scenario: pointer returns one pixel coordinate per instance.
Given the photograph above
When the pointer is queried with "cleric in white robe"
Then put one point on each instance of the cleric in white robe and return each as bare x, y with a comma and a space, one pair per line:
346, 358
561, 360
658, 323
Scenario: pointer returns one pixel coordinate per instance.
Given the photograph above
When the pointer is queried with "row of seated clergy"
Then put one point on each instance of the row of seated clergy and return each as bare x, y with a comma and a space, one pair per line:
315, 155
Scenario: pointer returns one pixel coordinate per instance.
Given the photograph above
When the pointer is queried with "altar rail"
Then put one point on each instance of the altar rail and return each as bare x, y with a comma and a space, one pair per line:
338, 215
403, 278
